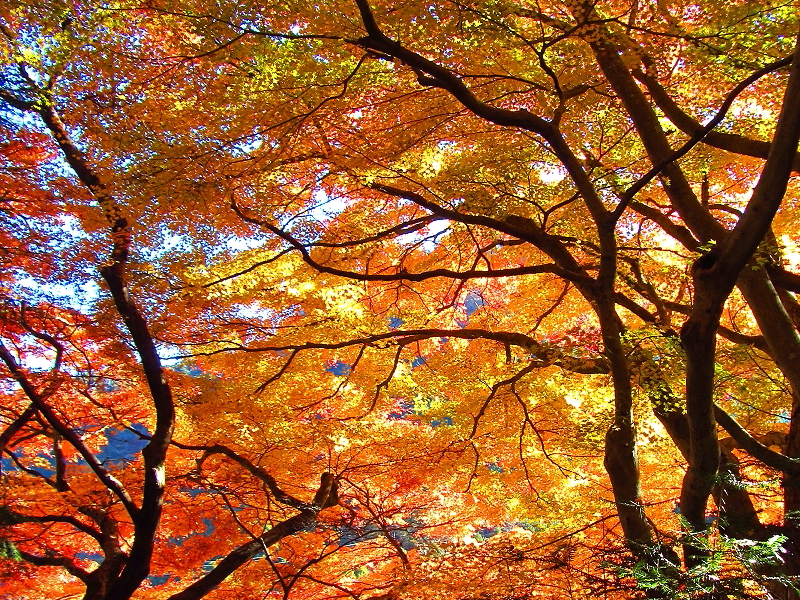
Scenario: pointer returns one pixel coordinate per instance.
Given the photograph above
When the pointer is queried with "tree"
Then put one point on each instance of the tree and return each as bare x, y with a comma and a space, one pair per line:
386, 300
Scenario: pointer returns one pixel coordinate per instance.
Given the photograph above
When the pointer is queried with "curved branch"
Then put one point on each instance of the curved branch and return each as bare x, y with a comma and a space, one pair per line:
254, 470
11, 517
243, 553
147, 519
57, 561
697, 136
17, 424
431, 74
738, 144
68, 434
402, 274
679, 232
753, 447
544, 353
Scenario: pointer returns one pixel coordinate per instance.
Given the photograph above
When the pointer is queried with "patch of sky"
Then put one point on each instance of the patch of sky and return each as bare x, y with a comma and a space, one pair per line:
443, 422
338, 368
426, 240
168, 241
49, 473
254, 310
244, 243
484, 533
157, 580
405, 538
35, 362
71, 225
435, 230
83, 429
106, 385
122, 444
279, 559
403, 408
627, 230
95, 556
8, 465
13, 119
195, 492
76, 297
326, 207
417, 361
243, 147
350, 536
494, 467
550, 174
188, 368
209, 565
395, 323
473, 302
418, 409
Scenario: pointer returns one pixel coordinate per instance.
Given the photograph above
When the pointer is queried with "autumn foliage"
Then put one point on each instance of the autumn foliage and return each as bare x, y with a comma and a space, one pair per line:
386, 300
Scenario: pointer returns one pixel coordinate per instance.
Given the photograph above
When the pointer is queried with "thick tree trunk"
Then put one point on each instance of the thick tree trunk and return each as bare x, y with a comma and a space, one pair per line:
784, 343
621, 457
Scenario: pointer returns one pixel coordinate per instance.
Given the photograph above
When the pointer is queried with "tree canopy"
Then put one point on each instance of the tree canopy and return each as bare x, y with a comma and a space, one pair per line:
384, 299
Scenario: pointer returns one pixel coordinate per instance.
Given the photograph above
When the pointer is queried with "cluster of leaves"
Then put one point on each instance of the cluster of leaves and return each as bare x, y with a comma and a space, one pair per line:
386, 300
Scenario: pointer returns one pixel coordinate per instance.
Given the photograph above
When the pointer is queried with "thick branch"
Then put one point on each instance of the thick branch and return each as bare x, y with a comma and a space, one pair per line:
242, 554
715, 274
431, 74
402, 274
736, 250
698, 135
753, 447
254, 470
56, 561
738, 144
68, 434
14, 427
10, 517
546, 353
145, 521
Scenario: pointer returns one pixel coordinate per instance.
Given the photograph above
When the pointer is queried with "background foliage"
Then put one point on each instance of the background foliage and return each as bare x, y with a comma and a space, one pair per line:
389, 300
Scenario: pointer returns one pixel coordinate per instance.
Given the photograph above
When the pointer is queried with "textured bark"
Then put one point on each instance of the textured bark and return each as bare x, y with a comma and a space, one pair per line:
621, 457
15, 426
716, 272
147, 519
714, 275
